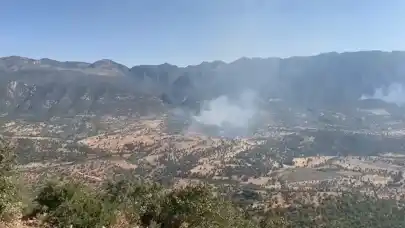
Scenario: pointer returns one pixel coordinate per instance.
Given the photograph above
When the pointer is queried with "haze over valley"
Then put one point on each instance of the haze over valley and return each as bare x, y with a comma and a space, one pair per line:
248, 122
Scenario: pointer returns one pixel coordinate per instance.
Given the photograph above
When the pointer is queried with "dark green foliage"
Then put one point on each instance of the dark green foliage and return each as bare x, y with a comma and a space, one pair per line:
140, 204
9, 194
198, 206
64, 203
53, 194
348, 211
84, 209
67, 203
7, 158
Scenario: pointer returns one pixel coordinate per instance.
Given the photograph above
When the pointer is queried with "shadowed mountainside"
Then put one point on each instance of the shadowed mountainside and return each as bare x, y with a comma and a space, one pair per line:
326, 79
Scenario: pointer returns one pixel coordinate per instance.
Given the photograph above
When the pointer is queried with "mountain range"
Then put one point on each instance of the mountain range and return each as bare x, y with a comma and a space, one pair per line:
331, 79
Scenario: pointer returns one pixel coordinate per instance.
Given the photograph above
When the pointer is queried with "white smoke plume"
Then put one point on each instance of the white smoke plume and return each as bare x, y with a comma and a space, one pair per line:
231, 116
395, 93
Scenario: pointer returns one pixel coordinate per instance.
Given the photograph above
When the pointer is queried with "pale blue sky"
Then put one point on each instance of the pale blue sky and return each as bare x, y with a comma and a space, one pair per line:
186, 32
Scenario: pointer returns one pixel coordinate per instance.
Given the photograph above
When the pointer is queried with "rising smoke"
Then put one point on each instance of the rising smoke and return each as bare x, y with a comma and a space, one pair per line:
229, 117
395, 93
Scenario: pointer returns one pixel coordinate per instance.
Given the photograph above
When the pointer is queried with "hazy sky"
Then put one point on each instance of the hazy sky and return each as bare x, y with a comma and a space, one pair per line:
186, 32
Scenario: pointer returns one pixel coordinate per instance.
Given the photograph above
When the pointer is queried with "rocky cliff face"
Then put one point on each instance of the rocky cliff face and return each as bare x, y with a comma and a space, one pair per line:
60, 99
49, 86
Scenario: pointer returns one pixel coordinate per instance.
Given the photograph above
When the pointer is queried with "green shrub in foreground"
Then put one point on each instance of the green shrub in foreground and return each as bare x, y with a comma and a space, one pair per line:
68, 203
10, 200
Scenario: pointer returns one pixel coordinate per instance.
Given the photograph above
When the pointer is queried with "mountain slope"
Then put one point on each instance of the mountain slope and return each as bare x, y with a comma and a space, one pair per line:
326, 79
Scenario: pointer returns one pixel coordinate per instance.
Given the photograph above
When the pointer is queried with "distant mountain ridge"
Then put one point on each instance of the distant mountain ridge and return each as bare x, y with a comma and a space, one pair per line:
324, 79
